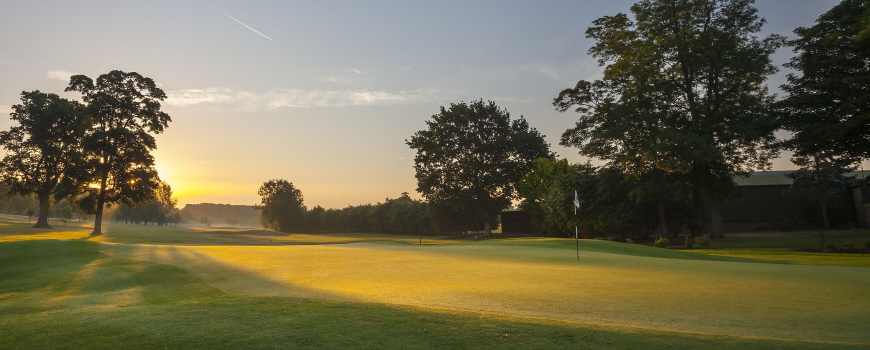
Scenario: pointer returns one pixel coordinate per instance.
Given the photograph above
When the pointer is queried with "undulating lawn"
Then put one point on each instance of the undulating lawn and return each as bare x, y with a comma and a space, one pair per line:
230, 289
786, 239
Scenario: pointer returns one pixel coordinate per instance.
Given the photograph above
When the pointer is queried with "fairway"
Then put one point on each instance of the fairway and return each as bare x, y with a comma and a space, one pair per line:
256, 288
820, 303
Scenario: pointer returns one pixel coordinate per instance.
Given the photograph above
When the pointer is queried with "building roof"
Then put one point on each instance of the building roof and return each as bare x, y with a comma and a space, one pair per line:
778, 178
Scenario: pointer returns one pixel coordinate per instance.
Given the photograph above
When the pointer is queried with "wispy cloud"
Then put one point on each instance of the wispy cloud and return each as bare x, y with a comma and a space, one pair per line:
61, 75
296, 98
5, 109
246, 26
354, 71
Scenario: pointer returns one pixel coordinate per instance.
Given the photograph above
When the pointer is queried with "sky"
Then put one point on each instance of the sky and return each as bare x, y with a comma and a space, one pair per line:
323, 94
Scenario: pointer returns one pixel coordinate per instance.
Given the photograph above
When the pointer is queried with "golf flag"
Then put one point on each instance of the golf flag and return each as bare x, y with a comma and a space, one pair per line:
576, 201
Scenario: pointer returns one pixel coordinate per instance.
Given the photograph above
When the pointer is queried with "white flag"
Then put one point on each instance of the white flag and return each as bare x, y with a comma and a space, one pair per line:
576, 201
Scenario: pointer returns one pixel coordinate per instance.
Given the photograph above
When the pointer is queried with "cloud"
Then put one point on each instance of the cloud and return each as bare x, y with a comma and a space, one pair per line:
296, 98
5, 109
61, 75
354, 71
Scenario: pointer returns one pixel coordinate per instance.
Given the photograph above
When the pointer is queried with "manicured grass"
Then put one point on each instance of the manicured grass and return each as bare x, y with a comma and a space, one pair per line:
68, 294
786, 239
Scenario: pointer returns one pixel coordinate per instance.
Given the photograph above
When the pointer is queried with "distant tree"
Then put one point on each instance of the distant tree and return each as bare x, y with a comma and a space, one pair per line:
29, 212
471, 157
281, 205
821, 176
42, 149
827, 109
205, 221
66, 213
682, 92
232, 222
176, 218
125, 110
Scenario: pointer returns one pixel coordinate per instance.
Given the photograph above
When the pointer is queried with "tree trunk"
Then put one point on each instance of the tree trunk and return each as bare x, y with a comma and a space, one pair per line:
663, 223
715, 217
101, 202
698, 207
822, 201
44, 204
486, 230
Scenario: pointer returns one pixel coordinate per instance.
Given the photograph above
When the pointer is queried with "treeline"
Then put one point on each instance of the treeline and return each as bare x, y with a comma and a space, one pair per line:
228, 214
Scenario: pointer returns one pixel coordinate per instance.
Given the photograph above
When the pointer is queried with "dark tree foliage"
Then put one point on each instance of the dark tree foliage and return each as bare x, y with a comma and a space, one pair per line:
124, 110
683, 92
281, 206
470, 159
399, 215
828, 106
160, 210
244, 214
820, 176
42, 149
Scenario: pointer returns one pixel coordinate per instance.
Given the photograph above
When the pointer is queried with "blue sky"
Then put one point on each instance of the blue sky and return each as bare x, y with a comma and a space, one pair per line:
320, 93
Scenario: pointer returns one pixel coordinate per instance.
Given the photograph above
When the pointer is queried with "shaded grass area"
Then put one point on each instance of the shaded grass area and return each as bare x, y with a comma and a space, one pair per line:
785, 256
67, 294
786, 239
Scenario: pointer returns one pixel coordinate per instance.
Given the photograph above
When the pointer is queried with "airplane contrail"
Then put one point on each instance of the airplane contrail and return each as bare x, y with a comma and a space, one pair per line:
246, 26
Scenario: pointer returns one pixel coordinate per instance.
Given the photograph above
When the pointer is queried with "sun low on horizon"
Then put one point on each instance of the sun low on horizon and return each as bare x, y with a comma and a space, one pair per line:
321, 95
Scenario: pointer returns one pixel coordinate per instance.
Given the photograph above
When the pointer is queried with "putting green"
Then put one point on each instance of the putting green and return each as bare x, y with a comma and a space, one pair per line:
821, 303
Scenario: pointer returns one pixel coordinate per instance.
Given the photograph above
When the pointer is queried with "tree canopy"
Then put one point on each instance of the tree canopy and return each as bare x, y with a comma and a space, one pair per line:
828, 104
282, 205
42, 149
682, 92
471, 157
124, 110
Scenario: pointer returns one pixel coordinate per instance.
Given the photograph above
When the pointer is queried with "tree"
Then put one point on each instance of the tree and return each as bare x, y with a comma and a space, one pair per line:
125, 110
281, 205
66, 213
205, 221
29, 212
472, 156
232, 222
682, 92
827, 108
42, 148
820, 176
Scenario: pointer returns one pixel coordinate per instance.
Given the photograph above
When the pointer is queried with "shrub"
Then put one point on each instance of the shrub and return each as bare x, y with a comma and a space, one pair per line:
703, 241
630, 241
830, 246
688, 244
867, 244
822, 240
848, 246
662, 242
790, 223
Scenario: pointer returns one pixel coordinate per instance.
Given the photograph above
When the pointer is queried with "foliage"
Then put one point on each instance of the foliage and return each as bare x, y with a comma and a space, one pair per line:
629, 241
830, 246
662, 242
244, 214
160, 210
29, 212
470, 159
688, 243
205, 221
399, 215
867, 244
790, 223
703, 241
281, 205
822, 176
124, 110
42, 149
849, 246
827, 109
682, 93
822, 240
232, 222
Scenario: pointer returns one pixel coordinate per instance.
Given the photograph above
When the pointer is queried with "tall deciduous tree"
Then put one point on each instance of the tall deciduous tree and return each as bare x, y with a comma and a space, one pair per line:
683, 92
828, 106
124, 109
281, 205
472, 156
42, 148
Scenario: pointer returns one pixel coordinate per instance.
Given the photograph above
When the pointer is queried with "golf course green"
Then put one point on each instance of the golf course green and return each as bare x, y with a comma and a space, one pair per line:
146, 286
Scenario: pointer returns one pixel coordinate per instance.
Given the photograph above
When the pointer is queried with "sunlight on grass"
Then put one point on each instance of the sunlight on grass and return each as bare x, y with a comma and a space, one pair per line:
804, 302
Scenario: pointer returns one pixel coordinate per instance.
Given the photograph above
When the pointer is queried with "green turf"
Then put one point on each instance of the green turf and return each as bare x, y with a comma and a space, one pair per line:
67, 294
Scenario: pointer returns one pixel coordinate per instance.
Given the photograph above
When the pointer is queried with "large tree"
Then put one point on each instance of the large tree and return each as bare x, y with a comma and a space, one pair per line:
124, 110
42, 148
471, 157
683, 93
828, 106
282, 206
